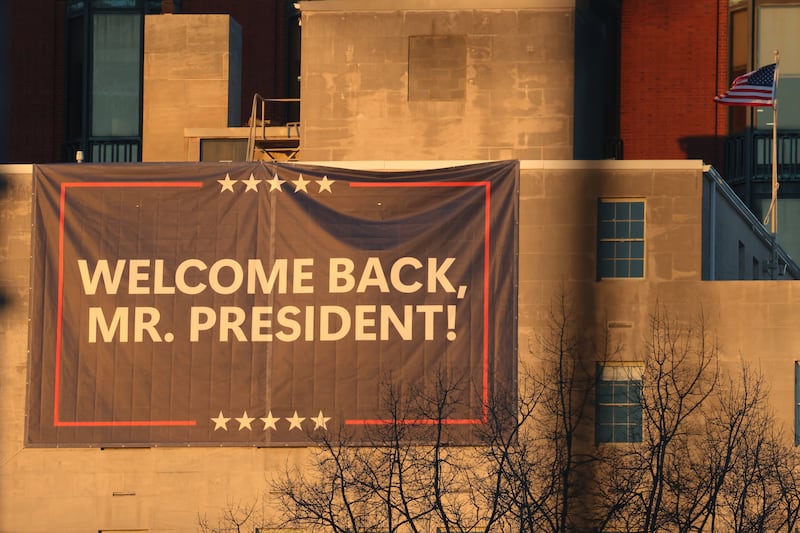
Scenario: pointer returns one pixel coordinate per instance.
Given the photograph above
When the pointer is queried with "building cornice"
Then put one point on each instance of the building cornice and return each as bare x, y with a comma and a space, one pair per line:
428, 5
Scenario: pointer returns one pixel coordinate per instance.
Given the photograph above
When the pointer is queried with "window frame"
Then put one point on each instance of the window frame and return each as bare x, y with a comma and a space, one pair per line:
620, 238
607, 419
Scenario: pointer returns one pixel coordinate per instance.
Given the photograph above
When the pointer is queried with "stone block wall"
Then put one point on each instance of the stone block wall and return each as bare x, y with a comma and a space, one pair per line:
457, 82
166, 489
192, 71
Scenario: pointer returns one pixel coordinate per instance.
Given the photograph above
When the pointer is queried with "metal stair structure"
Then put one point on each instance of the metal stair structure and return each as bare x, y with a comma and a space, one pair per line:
268, 142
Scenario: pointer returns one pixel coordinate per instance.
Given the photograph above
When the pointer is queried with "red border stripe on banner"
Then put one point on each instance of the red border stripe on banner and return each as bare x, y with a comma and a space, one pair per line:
59, 311
485, 381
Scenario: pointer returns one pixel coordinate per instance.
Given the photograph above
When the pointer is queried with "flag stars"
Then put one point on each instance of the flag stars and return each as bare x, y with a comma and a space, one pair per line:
245, 422
301, 184
295, 421
275, 183
227, 183
220, 422
269, 421
251, 184
321, 421
325, 184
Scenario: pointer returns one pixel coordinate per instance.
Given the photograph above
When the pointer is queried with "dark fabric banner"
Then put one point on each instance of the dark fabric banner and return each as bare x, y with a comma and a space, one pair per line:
259, 304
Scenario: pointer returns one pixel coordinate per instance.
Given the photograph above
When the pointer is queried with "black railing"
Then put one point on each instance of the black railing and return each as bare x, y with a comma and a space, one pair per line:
748, 156
106, 150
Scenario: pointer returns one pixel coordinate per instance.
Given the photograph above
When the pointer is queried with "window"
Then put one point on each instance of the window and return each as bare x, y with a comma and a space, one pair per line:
104, 58
223, 149
116, 73
618, 416
777, 30
620, 228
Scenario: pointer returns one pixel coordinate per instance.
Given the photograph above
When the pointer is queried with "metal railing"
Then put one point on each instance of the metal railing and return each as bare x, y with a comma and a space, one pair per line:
748, 156
286, 147
106, 150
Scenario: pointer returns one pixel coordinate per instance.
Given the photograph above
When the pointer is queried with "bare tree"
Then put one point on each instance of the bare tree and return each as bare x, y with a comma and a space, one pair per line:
410, 472
679, 374
761, 493
710, 454
235, 517
543, 465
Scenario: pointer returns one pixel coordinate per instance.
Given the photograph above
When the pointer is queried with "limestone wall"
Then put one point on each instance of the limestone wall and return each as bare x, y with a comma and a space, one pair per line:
192, 76
445, 83
165, 489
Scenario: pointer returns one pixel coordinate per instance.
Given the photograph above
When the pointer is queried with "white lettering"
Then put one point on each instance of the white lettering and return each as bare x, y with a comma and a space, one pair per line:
101, 271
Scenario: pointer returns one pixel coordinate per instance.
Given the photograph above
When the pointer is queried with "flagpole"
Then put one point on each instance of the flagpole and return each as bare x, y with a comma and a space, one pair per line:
774, 201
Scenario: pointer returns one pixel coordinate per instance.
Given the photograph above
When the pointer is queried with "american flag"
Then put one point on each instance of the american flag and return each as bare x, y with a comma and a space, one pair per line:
756, 88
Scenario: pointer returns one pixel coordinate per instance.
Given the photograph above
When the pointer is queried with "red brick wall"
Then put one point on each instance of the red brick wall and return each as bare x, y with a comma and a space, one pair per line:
673, 63
36, 85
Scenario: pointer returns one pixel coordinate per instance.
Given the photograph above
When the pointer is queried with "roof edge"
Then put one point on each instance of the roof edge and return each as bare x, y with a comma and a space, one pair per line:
428, 5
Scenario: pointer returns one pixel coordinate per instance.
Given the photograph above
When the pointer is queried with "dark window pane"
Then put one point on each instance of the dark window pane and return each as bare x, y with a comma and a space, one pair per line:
636, 432
606, 230
606, 211
622, 230
631, 395
620, 414
636, 416
606, 268
636, 268
637, 210
605, 394
637, 229
603, 433
115, 75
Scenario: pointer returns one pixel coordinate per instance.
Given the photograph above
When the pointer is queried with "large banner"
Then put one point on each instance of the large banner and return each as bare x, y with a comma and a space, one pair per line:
260, 304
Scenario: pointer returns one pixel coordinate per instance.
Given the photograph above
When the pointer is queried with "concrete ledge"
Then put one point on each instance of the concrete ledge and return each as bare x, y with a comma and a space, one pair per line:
638, 164
528, 164
430, 5
16, 169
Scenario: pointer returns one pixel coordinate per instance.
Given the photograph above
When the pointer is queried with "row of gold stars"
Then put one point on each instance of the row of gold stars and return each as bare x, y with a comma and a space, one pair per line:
270, 422
300, 184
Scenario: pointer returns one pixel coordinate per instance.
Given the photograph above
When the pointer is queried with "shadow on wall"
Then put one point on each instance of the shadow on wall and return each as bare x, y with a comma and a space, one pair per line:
708, 148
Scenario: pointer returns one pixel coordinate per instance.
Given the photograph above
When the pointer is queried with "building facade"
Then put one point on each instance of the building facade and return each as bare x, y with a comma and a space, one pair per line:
429, 85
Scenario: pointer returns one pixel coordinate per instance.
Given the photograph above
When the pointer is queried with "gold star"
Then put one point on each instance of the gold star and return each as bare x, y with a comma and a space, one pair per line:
252, 184
269, 421
227, 183
321, 421
295, 421
245, 421
300, 184
220, 422
275, 183
325, 184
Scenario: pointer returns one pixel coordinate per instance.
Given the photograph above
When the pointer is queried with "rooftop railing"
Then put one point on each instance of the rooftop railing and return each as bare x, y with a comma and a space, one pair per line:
748, 156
